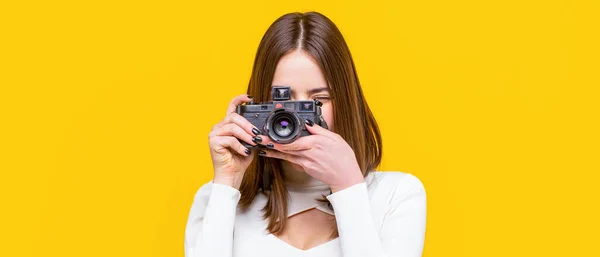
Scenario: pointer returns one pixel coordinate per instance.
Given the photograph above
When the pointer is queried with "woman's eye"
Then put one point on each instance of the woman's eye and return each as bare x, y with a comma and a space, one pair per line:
321, 98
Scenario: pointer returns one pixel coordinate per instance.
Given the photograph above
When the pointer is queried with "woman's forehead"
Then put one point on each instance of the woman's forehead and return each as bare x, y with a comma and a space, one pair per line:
298, 71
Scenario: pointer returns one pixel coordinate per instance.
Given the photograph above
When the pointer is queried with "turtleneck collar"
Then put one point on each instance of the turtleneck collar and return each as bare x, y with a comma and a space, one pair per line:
303, 192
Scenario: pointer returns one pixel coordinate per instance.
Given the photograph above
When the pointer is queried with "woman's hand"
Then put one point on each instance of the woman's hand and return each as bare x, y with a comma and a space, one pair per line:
229, 157
324, 155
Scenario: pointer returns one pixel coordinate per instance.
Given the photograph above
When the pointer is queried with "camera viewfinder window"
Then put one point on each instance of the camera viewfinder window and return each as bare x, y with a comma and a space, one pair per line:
306, 106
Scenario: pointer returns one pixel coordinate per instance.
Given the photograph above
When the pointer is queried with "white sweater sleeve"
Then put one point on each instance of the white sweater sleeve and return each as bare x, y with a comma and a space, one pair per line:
402, 232
209, 229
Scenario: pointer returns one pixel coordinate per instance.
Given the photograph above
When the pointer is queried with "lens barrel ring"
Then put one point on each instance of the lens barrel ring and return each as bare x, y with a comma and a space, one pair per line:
283, 126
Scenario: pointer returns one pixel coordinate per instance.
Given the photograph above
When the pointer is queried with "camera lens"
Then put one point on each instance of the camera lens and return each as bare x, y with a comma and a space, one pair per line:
283, 126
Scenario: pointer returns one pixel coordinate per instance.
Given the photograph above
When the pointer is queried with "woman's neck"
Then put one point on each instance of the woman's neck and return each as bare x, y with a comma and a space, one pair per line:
294, 176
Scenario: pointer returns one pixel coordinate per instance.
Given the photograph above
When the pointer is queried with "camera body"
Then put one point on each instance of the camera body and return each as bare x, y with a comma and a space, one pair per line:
281, 119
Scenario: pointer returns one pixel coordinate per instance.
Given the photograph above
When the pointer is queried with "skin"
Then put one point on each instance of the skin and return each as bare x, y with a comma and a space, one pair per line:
324, 155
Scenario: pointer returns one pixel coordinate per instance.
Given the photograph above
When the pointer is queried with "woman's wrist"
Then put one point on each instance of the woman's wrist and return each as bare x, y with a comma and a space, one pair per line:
347, 182
232, 181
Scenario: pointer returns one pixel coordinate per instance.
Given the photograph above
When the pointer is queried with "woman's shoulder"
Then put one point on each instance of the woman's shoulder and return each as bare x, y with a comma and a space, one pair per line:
397, 183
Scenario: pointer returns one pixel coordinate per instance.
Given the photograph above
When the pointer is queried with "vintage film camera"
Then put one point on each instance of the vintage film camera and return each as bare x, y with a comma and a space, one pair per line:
282, 120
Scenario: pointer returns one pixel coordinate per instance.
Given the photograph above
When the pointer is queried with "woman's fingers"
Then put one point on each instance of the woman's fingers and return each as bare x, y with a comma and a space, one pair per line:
264, 140
248, 127
222, 142
282, 156
315, 129
237, 101
241, 122
301, 144
319, 137
235, 130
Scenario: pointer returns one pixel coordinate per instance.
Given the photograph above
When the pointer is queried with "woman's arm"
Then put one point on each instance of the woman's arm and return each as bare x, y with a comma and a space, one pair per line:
402, 232
209, 229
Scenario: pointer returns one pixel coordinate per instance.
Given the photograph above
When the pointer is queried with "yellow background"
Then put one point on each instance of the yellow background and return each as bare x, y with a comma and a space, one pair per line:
106, 106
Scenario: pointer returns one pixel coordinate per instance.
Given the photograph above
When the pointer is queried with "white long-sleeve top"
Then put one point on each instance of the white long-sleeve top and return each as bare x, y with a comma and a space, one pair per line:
381, 217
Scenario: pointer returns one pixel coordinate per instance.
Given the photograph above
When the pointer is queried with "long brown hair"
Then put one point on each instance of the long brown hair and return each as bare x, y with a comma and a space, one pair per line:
353, 120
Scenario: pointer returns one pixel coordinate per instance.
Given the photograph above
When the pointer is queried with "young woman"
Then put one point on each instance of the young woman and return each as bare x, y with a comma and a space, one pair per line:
319, 195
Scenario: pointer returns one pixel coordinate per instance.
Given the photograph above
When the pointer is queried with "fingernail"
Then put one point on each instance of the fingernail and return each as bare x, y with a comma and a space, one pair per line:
256, 139
309, 122
270, 145
262, 153
255, 131
247, 151
249, 96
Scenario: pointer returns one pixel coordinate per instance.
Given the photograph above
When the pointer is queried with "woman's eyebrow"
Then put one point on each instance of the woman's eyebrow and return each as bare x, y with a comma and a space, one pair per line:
318, 90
